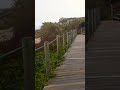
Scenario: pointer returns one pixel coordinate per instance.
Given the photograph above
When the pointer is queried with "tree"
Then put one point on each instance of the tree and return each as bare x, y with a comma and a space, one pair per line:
49, 31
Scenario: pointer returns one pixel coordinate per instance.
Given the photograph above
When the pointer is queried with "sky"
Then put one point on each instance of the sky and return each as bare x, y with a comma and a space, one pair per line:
53, 10
5, 4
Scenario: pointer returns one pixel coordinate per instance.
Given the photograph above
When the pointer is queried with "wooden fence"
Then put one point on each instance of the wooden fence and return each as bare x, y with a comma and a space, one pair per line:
63, 41
93, 18
28, 51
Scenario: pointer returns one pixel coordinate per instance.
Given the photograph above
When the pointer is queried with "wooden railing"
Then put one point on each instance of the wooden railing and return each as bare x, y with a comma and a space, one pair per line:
27, 49
92, 21
49, 54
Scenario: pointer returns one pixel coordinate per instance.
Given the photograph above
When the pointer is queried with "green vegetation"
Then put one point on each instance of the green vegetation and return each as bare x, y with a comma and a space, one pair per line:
11, 69
40, 66
49, 30
11, 66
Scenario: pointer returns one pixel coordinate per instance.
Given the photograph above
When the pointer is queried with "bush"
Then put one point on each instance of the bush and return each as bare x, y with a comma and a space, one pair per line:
40, 76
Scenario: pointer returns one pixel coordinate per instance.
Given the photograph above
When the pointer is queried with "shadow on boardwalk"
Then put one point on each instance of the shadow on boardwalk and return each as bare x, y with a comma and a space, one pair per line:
103, 58
71, 73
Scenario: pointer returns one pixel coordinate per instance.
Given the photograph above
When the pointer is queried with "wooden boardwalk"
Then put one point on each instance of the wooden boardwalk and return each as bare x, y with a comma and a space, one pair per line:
103, 58
70, 75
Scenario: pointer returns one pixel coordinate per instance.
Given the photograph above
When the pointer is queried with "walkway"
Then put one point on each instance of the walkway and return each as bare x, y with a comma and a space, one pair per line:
71, 73
103, 58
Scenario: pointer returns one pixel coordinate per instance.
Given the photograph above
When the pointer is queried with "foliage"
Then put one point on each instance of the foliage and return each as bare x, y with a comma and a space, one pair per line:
11, 68
40, 76
49, 30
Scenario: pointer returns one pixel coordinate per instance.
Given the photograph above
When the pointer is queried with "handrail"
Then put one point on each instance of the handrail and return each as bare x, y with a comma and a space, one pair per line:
43, 46
17, 49
61, 36
49, 43
52, 41
13, 51
93, 21
28, 56
39, 48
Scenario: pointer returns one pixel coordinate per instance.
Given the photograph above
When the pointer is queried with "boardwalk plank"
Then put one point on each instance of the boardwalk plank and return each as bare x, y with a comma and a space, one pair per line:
103, 57
70, 75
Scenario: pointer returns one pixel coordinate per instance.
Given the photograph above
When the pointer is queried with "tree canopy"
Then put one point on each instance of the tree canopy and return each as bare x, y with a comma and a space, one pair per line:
49, 30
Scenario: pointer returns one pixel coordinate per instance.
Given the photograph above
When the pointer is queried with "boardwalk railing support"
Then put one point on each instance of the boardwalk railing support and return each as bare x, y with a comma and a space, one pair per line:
95, 17
47, 58
58, 43
28, 60
70, 38
64, 42
74, 34
67, 39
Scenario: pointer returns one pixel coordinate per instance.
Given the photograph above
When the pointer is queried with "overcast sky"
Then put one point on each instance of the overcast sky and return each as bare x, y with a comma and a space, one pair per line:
5, 3
52, 10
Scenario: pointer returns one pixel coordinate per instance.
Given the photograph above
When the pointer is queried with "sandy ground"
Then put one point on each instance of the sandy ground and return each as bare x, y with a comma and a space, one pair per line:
37, 40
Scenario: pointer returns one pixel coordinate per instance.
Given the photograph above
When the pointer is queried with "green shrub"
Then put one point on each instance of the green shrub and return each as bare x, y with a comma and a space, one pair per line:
40, 77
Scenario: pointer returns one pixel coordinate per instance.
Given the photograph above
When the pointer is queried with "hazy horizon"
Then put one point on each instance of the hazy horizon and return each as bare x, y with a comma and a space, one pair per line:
53, 10
54, 21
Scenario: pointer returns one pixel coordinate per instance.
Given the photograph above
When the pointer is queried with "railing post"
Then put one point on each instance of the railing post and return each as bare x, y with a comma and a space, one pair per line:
99, 16
58, 41
64, 41
74, 34
92, 21
67, 39
47, 58
28, 61
95, 17
111, 11
88, 25
70, 37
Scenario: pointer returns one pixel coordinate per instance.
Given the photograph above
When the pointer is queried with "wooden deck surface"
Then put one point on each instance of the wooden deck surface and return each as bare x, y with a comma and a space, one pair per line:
102, 66
70, 75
